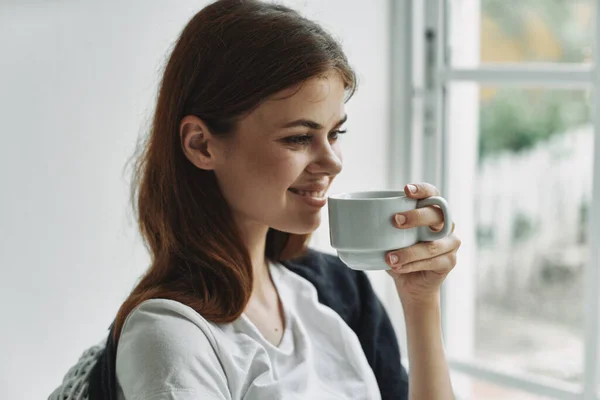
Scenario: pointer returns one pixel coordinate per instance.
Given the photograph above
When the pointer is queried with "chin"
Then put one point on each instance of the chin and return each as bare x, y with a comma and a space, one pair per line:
305, 226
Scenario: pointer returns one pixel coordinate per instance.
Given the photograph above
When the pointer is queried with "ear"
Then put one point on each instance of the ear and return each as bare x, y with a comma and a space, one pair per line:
197, 143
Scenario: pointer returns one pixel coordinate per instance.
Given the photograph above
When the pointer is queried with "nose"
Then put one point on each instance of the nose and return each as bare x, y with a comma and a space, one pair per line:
326, 161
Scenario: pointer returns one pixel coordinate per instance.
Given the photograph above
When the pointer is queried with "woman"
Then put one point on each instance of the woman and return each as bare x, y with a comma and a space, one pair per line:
243, 148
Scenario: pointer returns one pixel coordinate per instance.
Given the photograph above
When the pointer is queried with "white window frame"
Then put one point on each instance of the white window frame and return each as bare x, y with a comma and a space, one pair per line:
421, 73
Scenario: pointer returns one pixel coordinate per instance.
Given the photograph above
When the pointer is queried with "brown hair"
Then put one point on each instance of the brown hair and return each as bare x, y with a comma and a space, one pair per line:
230, 56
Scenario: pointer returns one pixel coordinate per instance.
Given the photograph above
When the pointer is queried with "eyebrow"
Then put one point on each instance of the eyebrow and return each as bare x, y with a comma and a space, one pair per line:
307, 123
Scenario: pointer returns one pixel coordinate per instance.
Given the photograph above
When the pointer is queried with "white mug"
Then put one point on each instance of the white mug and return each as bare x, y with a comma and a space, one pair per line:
361, 226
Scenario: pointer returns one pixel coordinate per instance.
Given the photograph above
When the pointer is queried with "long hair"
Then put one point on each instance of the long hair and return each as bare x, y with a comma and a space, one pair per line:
229, 58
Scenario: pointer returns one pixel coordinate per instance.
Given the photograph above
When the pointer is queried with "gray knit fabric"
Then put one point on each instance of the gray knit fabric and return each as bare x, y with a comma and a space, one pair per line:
75, 385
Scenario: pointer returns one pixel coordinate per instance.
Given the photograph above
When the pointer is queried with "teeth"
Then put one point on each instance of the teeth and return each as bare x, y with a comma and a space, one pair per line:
310, 194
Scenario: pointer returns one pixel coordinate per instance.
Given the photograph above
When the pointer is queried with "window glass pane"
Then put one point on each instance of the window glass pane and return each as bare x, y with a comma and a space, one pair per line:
469, 388
510, 31
519, 176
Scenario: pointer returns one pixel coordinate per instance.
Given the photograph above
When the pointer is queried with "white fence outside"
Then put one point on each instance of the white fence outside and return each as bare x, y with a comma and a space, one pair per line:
529, 210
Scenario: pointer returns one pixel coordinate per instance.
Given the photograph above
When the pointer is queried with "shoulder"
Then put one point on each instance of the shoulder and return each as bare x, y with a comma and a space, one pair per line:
166, 344
164, 320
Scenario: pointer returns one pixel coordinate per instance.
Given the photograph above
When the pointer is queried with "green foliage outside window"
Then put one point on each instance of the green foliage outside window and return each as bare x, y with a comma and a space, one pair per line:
516, 119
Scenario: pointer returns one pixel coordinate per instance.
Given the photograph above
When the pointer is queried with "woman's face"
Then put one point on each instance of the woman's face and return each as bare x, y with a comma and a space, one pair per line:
275, 170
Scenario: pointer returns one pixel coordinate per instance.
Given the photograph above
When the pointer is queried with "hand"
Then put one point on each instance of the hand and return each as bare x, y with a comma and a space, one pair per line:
420, 270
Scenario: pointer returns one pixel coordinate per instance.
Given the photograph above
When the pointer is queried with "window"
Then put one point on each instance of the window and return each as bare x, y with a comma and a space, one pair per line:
498, 101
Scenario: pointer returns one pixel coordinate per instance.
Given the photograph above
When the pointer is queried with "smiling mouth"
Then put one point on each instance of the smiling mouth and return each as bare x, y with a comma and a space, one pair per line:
317, 195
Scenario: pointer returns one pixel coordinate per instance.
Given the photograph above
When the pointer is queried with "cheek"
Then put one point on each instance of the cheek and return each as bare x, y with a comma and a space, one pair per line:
267, 170
283, 169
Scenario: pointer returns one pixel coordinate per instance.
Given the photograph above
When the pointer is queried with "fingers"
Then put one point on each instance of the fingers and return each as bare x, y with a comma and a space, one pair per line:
437, 256
441, 264
421, 190
427, 216
421, 252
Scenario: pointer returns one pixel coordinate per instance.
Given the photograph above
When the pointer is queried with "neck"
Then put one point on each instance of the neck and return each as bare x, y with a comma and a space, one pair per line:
255, 239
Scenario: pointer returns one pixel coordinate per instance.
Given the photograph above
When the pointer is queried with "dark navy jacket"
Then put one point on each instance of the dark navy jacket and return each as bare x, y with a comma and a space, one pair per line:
347, 292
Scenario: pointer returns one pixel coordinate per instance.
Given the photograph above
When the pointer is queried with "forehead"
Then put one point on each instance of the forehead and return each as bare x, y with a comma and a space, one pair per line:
320, 99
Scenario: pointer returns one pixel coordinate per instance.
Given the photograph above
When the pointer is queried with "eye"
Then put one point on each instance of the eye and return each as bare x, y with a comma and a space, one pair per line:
333, 135
304, 140
299, 139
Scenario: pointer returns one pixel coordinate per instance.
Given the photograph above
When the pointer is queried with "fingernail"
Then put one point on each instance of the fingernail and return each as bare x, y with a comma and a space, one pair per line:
400, 219
393, 259
412, 189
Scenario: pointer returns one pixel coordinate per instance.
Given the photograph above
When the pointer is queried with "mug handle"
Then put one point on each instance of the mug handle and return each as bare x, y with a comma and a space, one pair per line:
425, 233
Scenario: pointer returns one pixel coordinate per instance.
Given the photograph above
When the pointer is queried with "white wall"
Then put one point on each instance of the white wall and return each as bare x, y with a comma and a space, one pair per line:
77, 83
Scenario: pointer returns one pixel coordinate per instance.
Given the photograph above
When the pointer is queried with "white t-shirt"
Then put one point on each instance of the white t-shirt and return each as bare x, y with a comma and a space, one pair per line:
168, 351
